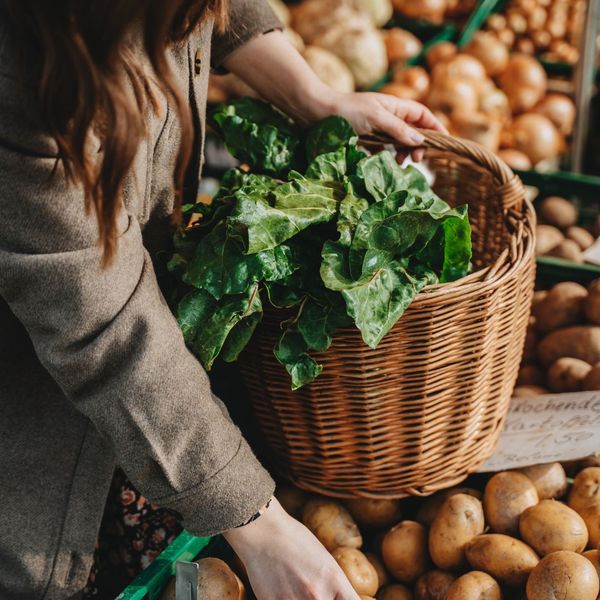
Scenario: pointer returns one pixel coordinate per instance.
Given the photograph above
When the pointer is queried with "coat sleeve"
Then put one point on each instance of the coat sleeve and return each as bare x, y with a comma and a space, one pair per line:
109, 340
247, 20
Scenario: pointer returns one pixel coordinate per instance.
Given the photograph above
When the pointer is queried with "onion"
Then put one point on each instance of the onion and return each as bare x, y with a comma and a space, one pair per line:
428, 10
449, 95
379, 11
525, 46
489, 51
524, 81
494, 102
329, 68
416, 78
441, 52
536, 137
461, 66
401, 45
515, 159
560, 109
496, 22
313, 18
399, 90
507, 37
476, 127
541, 39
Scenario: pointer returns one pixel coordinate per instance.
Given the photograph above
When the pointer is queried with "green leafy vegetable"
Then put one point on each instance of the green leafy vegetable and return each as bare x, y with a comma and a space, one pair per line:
334, 237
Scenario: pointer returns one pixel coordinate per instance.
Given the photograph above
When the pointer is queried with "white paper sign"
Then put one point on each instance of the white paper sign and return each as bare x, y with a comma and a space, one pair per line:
547, 429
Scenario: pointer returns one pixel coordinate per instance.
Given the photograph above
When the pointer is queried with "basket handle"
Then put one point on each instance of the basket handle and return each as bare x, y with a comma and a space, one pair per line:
512, 188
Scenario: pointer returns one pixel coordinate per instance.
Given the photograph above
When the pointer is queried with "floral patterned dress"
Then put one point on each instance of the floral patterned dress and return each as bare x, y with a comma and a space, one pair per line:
133, 533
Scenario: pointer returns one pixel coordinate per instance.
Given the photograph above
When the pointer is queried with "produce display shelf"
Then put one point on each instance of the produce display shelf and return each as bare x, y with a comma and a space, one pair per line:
150, 584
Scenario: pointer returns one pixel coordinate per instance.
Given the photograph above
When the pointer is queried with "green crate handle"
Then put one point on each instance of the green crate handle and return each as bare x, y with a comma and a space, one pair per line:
150, 584
478, 17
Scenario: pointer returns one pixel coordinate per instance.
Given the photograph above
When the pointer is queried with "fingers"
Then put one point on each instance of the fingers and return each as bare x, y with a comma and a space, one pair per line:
418, 155
395, 127
414, 113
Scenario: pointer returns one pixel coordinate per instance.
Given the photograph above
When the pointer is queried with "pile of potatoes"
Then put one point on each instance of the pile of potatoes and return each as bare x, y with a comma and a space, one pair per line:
528, 534
558, 234
562, 348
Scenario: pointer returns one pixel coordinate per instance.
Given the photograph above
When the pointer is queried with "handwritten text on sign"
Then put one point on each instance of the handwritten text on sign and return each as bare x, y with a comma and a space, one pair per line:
548, 428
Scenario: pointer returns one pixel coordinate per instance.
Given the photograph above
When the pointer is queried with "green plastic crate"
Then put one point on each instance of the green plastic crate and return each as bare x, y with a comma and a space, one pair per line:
150, 584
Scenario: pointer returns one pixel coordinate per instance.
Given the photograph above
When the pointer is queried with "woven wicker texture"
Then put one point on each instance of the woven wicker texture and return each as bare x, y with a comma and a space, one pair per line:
425, 408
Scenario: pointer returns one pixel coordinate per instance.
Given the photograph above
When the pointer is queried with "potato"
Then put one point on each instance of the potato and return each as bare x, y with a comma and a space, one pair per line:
582, 237
430, 508
382, 575
475, 585
551, 526
581, 342
404, 551
547, 238
567, 250
394, 591
549, 479
331, 523
360, 572
558, 211
562, 306
506, 496
291, 498
374, 513
591, 517
529, 391
538, 297
591, 382
530, 375
458, 521
594, 557
506, 559
592, 304
563, 575
216, 581
531, 342
586, 489
567, 374
433, 585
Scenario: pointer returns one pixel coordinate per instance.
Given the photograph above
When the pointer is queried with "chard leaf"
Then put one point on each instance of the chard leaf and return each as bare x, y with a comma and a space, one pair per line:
328, 167
329, 135
317, 322
239, 337
298, 204
221, 268
257, 134
291, 353
351, 208
207, 323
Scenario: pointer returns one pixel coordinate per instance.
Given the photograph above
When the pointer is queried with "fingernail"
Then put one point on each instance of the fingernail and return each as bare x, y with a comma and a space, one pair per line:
415, 137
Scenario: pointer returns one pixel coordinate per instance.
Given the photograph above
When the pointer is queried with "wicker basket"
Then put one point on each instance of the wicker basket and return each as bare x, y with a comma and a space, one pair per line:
425, 408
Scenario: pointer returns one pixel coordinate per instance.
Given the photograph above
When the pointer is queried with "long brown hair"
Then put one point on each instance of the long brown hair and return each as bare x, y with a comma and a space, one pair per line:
87, 72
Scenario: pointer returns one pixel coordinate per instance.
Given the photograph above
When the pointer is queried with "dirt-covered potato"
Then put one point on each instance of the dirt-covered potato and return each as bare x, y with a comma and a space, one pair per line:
591, 516
506, 496
430, 507
586, 489
331, 523
550, 526
567, 374
475, 585
404, 551
563, 575
458, 521
529, 391
374, 513
360, 572
382, 575
592, 304
291, 498
508, 560
549, 479
562, 306
582, 237
592, 379
433, 585
530, 375
547, 238
394, 591
558, 211
580, 341
568, 250
216, 581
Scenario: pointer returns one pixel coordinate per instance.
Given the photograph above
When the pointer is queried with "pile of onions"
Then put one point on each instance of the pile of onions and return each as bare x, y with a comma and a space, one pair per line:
489, 51
415, 78
535, 136
560, 109
524, 81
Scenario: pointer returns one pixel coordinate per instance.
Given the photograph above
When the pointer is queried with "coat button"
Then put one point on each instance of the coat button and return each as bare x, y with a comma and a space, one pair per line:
198, 61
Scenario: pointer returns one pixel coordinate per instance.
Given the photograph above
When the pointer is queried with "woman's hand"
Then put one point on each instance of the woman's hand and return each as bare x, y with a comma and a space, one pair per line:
285, 561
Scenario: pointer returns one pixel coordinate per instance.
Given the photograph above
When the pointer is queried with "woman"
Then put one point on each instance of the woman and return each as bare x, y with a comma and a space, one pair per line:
102, 110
